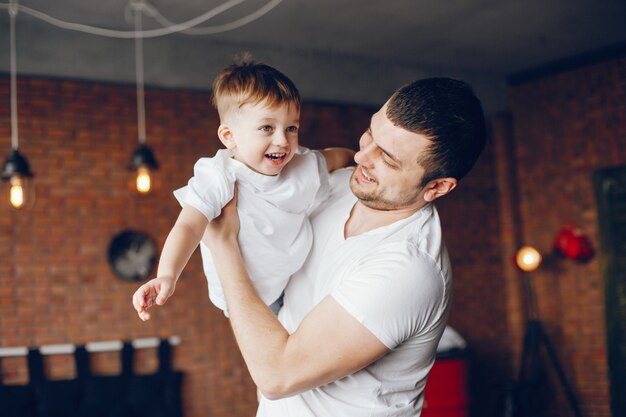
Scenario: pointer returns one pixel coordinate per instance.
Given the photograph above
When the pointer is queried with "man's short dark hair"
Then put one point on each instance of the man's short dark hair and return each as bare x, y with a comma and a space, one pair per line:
448, 112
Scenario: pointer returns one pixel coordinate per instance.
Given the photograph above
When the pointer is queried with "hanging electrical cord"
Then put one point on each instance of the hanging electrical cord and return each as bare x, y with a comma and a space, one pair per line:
141, 107
143, 163
15, 169
209, 30
13, 8
153, 33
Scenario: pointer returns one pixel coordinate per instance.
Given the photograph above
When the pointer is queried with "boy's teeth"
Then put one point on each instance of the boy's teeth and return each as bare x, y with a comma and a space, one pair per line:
275, 155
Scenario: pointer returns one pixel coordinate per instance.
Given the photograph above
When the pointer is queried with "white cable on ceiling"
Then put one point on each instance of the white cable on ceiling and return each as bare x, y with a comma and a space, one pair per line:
153, 33
209, 30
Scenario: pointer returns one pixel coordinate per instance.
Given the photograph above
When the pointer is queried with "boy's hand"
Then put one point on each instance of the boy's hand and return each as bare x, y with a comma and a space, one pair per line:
156, 291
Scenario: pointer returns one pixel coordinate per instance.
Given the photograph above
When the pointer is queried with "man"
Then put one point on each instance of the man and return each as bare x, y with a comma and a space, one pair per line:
361, 322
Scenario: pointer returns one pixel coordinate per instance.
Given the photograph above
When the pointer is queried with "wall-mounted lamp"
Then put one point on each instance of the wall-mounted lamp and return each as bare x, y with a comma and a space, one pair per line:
15, 169
143, 162
570, 243
528, 258
573, 244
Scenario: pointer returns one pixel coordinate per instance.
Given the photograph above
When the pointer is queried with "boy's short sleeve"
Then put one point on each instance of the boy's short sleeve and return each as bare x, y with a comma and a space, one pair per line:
210, 188
395, 294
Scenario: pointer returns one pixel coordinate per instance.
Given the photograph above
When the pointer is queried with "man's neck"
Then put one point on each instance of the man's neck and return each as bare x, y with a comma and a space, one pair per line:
363, 219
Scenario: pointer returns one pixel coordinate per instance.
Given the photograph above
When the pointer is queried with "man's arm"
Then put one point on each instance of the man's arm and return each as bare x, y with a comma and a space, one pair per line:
338, 158
329, 343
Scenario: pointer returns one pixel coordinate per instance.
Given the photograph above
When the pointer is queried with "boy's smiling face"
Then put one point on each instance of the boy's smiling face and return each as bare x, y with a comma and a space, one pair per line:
262, 137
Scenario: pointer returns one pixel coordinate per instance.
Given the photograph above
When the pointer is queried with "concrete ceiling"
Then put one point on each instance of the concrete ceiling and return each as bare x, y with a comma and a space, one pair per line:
354, 51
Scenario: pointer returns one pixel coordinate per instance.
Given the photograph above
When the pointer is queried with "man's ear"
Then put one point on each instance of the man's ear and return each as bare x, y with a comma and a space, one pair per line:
226, 136
439, 188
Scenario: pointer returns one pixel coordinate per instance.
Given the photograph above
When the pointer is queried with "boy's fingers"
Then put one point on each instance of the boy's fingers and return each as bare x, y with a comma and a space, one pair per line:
164, 294
138, 300
141, 301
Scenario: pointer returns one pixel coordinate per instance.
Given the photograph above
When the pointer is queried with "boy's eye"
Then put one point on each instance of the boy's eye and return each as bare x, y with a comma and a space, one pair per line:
292, 129
266, 128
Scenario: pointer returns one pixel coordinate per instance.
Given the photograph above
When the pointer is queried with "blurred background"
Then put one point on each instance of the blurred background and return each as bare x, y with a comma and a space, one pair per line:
552, 79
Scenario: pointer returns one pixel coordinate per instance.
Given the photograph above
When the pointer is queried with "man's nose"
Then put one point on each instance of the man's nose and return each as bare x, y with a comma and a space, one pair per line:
364, 155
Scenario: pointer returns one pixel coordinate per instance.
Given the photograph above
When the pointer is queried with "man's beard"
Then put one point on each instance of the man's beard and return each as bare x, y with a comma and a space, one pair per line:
374, 200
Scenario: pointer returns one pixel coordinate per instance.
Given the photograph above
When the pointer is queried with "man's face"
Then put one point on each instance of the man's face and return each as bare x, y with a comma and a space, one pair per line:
264, 138
388, 174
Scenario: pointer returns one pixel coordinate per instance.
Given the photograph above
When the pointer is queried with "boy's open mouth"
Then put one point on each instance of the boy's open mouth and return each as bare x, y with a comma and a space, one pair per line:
279, 156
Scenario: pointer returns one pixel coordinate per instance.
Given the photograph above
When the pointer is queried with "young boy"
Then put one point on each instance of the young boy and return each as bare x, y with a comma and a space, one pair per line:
278, 185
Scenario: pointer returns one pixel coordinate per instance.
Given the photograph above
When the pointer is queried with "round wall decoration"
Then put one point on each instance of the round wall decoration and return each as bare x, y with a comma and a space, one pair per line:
132, 255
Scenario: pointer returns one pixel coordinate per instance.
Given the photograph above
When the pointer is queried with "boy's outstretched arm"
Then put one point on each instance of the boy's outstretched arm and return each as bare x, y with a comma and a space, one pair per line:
180, 244
338, 158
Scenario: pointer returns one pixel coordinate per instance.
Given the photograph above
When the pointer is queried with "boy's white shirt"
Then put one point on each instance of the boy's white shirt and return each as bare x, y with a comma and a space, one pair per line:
275, 234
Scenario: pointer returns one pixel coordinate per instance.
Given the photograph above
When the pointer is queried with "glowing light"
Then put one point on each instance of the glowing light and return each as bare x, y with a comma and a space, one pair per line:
16, 194
528, 258
144, 182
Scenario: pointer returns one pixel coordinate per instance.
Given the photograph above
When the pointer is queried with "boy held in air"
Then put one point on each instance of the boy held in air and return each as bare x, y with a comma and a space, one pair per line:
278, 186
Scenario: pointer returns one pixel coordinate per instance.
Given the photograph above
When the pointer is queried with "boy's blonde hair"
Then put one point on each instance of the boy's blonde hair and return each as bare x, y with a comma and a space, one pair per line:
249, 82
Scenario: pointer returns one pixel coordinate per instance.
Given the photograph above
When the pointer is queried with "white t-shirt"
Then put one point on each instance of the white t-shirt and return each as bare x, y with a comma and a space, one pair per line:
275, 234
396, 281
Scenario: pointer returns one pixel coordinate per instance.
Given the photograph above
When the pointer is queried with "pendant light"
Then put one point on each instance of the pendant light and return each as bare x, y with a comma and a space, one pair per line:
143, 162
15, 169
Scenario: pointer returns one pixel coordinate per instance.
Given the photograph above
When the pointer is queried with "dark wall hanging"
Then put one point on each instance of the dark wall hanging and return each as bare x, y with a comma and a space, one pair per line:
132, 255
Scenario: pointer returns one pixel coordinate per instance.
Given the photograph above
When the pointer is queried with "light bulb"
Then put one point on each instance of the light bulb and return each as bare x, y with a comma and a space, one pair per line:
528, 258
144, 182
16, 193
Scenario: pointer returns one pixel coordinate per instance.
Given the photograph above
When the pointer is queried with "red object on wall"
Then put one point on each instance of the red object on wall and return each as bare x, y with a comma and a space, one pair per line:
573, 244
446, 390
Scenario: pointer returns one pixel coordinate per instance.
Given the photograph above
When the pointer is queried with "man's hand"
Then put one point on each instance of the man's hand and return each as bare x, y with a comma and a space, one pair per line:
156, 291
225, 227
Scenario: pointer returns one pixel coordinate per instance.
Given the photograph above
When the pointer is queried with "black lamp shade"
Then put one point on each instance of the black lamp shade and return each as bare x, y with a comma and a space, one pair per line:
15, 163
143, 156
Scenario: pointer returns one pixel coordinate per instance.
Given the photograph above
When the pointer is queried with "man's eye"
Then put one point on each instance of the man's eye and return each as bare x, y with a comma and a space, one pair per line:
292, 129
389, 164
266, 128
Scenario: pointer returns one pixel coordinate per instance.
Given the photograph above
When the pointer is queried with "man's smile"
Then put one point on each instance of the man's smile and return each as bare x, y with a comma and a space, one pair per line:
364, 177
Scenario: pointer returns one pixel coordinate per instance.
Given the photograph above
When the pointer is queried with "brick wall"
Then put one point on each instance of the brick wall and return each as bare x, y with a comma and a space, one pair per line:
55, 283
566, 126
471, 227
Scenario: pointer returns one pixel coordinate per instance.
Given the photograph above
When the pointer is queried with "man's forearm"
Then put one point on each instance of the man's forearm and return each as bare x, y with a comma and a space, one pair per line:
260, 336
328, 344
